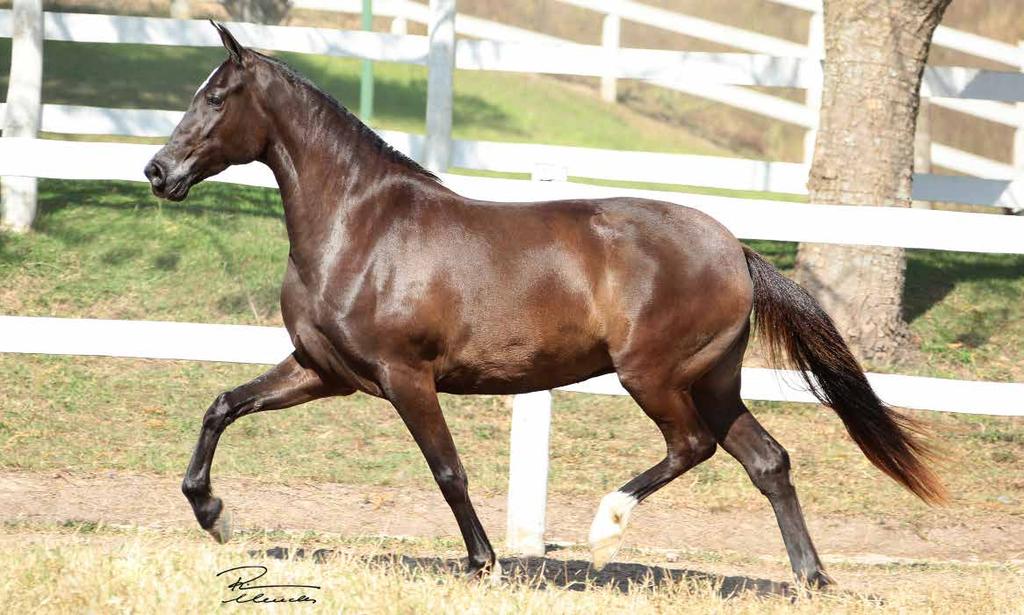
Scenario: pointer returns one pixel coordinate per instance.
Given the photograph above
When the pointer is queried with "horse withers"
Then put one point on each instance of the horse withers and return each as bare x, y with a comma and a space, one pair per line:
400, 288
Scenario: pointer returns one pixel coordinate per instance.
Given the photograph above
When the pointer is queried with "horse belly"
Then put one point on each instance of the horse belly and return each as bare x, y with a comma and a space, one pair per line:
519, 364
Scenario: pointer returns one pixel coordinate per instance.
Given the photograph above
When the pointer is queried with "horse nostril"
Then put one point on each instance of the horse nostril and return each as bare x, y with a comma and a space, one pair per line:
155, 174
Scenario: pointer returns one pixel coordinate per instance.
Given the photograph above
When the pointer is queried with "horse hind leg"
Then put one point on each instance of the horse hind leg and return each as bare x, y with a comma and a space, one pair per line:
717, 396
688, 443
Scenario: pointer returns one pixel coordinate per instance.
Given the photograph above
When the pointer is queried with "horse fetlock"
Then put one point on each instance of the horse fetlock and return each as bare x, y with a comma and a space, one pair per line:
609, 526
208, 509
194, 489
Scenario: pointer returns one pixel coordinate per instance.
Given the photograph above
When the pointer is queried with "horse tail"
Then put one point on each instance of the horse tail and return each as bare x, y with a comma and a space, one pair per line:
789, 319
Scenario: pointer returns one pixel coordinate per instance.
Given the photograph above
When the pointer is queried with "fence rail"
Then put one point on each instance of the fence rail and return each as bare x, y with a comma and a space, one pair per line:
747, 218
270, 345
680, 169
945, 36
533, 57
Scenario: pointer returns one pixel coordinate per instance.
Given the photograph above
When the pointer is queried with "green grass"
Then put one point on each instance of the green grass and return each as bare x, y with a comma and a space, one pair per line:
966, 311
110, 248
729, 192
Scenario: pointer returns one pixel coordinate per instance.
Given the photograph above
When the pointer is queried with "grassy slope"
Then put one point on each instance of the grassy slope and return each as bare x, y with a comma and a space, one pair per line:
487, 105
741, 131
110, 250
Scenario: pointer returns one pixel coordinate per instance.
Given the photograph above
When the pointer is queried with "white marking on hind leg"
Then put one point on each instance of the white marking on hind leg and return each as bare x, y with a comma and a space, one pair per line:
609, 526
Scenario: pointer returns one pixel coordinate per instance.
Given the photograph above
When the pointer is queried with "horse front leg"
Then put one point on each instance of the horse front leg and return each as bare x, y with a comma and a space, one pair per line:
287, 384
413, 395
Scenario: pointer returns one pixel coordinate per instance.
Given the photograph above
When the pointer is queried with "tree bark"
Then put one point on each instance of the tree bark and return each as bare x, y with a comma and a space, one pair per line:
875, 53
923, 146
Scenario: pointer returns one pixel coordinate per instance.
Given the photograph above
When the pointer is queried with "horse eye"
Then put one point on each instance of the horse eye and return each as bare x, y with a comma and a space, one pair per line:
214, 100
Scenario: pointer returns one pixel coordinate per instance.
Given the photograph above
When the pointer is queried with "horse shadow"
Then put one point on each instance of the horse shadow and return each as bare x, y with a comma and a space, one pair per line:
573, 575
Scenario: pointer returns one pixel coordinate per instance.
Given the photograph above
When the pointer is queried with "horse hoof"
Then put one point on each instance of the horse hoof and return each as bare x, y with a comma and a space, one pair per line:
494, 576
818, 580
486, 571
609, 526
221, 528
602, 551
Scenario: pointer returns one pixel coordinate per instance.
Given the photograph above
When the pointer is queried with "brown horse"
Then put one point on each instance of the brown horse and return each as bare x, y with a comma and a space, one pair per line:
400, 288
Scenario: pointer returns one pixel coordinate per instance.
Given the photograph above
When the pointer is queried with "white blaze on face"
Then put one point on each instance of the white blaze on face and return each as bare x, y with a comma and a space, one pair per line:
609, 525
204, 84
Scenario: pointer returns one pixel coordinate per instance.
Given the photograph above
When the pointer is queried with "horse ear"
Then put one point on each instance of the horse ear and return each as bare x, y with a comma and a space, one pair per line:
235, 49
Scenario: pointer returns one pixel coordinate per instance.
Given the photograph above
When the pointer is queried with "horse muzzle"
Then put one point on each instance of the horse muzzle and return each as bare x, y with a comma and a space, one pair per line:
165, 183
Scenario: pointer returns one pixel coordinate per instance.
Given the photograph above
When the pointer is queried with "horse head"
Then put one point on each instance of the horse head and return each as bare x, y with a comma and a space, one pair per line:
224, 125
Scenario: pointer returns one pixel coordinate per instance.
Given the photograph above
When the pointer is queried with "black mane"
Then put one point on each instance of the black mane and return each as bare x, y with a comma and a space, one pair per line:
365, 132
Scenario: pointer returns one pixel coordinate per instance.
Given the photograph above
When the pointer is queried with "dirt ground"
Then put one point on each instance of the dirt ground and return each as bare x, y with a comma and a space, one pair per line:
156, 502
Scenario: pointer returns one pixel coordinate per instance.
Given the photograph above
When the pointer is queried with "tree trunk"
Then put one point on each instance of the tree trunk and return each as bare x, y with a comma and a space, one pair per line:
875, 54
923, 145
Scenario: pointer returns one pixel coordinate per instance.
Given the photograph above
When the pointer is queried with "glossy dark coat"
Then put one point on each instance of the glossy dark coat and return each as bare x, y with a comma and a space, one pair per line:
400, 288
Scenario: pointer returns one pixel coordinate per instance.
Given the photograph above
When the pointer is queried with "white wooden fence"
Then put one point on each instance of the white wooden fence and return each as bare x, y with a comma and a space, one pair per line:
268, 345
700, 68
679, 169
746, 218
734, 94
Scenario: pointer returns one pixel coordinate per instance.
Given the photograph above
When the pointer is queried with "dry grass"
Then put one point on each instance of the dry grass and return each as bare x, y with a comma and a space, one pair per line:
96, 570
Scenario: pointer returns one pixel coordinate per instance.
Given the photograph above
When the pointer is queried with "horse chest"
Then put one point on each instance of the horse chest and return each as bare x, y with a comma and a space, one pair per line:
322, 334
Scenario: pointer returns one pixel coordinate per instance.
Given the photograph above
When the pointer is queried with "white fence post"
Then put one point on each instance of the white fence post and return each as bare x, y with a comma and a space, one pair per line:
528, 448
611, 28
1018, 135
400, 26
24, 108
815, 53
440, 82
546, 172
528, 473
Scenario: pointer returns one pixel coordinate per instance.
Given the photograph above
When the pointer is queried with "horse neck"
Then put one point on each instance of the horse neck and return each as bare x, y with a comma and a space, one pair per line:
325, 168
